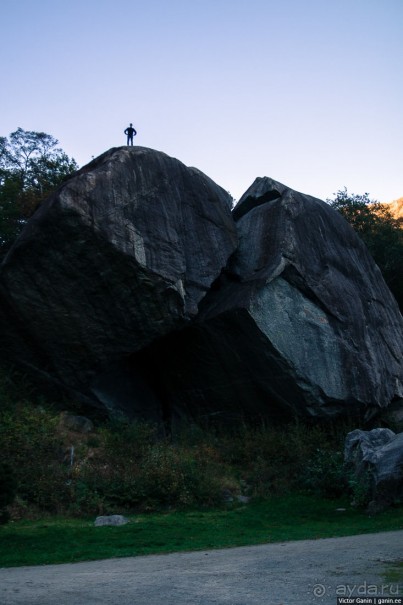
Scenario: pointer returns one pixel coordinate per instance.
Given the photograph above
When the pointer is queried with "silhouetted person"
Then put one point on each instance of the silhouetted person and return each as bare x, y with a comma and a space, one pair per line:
131, 132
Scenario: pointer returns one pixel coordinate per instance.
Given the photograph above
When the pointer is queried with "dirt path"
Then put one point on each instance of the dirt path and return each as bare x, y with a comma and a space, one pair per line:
290, 573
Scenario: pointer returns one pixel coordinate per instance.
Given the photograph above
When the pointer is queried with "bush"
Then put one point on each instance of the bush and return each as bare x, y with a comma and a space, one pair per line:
324, 474
8, 488
278, 459
127, 466
134, 470
28, 439
360, 488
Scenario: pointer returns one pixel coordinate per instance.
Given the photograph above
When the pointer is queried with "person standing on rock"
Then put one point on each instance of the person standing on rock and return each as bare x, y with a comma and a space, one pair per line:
130, 132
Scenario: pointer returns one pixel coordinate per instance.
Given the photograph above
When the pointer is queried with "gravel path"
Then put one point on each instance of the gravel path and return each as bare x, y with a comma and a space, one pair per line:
290, 573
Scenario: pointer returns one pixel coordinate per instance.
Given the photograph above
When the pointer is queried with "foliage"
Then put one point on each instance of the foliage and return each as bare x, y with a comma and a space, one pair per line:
31, 445
31, 167
296, 456
360, 488
122, 466
8, 488
130, 467
133, 470
380, 231
325, 474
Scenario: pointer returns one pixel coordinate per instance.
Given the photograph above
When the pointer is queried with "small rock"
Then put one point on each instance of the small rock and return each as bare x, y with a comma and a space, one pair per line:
79, 424
243, 499
112, 520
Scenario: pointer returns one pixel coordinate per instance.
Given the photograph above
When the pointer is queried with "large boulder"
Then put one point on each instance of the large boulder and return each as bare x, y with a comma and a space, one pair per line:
121, 254
135, 287
301, 321
375, 458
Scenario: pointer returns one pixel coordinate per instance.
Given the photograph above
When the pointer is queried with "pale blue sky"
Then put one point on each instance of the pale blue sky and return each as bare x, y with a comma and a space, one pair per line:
308, 92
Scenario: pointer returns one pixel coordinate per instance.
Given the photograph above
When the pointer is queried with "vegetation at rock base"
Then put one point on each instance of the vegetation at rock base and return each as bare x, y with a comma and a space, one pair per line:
381, 232
180, 493
128, 467
7, 490
200, 488
32, 166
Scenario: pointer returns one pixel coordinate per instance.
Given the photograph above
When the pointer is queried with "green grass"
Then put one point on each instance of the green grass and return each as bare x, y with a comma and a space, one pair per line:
298, 517
394, 573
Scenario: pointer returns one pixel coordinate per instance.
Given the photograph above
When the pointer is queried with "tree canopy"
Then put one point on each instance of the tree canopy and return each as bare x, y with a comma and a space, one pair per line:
31, 167
381, 232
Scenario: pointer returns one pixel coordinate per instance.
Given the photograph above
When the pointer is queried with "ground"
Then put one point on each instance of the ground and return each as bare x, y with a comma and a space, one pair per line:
306, 572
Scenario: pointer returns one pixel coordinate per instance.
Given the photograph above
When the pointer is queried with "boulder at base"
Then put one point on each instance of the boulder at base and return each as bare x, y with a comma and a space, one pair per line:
122, 253
376, 459
301, 321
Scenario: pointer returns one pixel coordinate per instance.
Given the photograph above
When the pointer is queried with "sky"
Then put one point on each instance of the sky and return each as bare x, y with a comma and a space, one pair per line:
307, 92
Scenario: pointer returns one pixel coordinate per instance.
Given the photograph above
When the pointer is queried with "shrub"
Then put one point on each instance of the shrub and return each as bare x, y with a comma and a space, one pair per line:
324, 474
8, 488
360, 488
127, 466
28, 439
277, 459
146, 474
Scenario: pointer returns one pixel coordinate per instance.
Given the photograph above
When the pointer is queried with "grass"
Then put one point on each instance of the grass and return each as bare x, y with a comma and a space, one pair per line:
293, 517
394, 573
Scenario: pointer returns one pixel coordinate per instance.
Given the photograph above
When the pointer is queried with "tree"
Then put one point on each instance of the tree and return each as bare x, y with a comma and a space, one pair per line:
31, 167
380, 231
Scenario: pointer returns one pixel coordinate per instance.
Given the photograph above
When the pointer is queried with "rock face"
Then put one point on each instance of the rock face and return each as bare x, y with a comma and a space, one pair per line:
301, 320
123, 253
377, 455
135, 287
